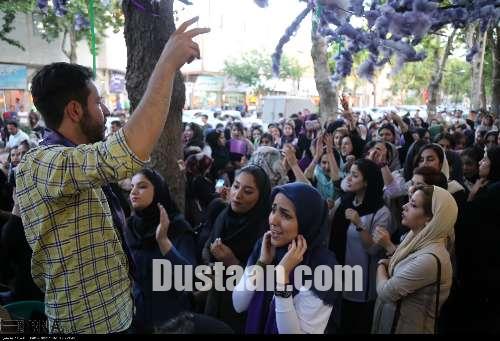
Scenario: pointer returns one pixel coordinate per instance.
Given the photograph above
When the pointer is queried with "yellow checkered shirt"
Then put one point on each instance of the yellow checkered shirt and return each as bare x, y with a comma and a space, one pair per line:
77, 260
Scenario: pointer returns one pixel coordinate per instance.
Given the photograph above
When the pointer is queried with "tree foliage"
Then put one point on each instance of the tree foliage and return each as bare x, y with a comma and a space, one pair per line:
254, 68
391, 29
62, 17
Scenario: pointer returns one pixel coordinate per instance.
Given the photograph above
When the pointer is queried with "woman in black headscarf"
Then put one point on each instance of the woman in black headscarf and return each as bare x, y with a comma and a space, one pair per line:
478, 259
220, 154
296, 237
149, 190
234, 234
357, 214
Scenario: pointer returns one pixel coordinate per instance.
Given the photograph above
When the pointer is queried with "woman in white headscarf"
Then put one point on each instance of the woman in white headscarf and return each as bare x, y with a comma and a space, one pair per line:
409, 292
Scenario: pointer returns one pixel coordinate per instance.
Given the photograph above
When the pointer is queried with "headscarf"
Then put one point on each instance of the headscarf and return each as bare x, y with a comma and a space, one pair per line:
143, 223
444, 210
198, 164
220, 154
311, 211
494, 155
372, 202
269, 159
239, 232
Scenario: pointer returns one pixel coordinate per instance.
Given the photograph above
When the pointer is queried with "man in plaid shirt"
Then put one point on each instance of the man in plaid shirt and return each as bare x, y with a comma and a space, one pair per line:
72, 219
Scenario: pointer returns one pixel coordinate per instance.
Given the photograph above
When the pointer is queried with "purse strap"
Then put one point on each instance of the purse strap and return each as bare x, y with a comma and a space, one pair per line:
397, 313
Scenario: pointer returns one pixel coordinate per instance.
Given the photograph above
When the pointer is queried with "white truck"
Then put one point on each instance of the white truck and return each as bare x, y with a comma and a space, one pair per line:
273, 105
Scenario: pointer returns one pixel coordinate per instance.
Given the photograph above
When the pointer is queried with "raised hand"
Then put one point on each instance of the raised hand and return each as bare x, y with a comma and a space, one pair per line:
162, 231
180, 47
290, 156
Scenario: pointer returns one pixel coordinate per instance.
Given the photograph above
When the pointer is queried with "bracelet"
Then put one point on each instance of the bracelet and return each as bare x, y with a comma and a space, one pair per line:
261, 264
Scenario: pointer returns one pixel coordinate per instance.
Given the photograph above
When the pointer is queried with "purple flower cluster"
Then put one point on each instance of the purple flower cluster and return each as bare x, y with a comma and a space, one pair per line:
81, 23
394, 28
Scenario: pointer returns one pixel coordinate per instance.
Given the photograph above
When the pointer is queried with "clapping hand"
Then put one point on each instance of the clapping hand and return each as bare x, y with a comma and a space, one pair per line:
223, 253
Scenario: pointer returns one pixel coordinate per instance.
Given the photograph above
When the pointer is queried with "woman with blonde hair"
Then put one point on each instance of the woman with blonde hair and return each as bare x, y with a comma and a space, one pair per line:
414, 283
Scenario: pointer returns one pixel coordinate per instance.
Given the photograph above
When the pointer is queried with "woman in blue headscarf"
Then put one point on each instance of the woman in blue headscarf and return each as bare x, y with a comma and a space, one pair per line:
296, 237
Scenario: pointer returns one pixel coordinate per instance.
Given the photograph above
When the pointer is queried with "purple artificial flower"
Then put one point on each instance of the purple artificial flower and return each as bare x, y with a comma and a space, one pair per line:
276, 57
60, 7
261, 3
472, 52
42, 4
357, 7
425, 6
367, 69
81, 23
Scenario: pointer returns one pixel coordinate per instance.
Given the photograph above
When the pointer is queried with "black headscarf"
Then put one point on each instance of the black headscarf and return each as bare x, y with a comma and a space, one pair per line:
143, 223
240, 231
372, 202
220, 154
494, 156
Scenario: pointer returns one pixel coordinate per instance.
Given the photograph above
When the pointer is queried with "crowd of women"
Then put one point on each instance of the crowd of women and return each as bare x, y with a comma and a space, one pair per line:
412, 203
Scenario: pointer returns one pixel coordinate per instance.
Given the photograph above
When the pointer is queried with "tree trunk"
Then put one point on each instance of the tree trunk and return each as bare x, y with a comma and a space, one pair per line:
477, 66
327, 93
145, 36
437, 76
495, 98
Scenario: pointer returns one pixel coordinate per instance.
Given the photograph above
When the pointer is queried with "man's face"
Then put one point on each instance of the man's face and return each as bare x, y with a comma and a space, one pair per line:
93, 123
12, 129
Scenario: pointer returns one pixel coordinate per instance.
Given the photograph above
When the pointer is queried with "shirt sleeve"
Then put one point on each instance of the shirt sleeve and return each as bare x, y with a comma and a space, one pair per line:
303, 314
66, 171
397, 188
419, 273
243, 292
382, 218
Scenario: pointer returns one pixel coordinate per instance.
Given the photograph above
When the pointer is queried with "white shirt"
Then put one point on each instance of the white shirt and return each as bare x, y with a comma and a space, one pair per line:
303, 314
15, 140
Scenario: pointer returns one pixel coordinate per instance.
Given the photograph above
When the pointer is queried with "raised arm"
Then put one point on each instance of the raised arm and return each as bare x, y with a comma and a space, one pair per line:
144, 128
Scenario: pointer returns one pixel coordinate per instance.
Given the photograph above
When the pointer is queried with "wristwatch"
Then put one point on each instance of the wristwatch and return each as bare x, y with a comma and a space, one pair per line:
282, 294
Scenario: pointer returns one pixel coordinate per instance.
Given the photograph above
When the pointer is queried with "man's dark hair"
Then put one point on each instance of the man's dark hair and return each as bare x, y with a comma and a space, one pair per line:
55, 85
432, 177
14, 123
117, 123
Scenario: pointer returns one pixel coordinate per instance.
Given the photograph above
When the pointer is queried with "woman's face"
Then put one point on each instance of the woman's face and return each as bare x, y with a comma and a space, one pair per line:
288, 130
283, 222
346, 148
470, 168
325, 165
414, 216
275, 132
15, 157
188, 133
355, 180
256, 134
222, 139
491, 141
416, 180
265, 142
429, 158
244, 193
445, 143
142, 193
337, 140
386, 135
484, 167
235, 133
